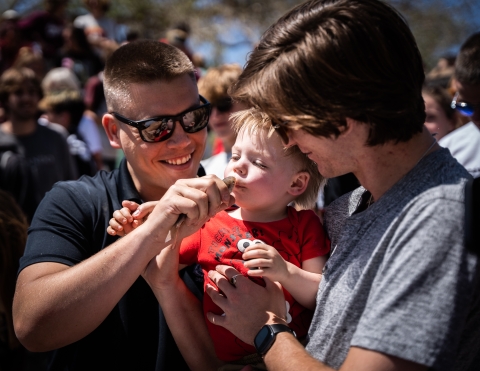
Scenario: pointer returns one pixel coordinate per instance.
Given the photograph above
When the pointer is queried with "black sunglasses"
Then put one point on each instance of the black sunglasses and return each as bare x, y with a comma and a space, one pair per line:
160, 128
223, 105
466, 109
281, 130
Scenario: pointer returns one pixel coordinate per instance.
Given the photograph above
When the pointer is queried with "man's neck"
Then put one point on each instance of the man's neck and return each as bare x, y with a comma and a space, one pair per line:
20, 127
384, 165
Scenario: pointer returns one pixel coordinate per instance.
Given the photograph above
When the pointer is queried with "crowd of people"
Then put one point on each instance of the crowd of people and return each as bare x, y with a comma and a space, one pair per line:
139, 256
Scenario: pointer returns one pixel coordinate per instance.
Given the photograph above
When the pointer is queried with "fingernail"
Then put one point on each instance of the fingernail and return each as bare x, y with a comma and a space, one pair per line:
137, 212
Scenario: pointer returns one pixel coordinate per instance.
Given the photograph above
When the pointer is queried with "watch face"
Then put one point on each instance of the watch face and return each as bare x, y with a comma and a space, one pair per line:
262, 339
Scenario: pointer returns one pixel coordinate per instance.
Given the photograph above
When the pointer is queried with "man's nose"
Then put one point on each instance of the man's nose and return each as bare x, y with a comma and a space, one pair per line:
179, 136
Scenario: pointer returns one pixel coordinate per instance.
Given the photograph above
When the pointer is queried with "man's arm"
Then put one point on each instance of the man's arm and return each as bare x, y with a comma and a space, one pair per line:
182, 310
248, 307
55, 305
288, 354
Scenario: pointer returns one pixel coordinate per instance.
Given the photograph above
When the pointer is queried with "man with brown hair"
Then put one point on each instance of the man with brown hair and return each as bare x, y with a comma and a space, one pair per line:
45, 150
81, 293
342, 79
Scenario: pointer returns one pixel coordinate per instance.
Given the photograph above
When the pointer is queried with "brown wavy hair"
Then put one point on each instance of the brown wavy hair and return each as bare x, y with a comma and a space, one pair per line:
326, 60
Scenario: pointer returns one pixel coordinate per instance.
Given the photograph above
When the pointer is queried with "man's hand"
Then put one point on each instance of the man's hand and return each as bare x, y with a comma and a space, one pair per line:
198, 199
247, 306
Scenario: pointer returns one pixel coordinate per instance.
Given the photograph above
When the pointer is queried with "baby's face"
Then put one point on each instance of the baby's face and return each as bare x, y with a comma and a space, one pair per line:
263, 173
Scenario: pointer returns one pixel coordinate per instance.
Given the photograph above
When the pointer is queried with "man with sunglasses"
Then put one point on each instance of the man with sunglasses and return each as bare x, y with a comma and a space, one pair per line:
81, 293
464, 142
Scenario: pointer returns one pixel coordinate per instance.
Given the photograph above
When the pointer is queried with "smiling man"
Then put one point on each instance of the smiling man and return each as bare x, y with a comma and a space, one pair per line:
80, 293
464, 142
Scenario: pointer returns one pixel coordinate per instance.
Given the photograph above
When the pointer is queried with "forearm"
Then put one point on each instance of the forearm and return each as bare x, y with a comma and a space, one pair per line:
302, 285
56, 305
184, 315
287, 353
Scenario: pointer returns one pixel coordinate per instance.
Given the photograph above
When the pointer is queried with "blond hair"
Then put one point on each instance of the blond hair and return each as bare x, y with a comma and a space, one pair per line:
254, 121
216, 82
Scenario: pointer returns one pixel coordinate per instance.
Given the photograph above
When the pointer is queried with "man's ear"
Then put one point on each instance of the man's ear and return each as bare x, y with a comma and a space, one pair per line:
112, 130
299, 183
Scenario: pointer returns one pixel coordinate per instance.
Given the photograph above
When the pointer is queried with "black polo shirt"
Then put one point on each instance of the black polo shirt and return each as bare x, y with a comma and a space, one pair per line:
69, 226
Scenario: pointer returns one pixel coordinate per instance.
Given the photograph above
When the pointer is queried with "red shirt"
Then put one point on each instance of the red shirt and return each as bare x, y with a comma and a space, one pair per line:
297, 238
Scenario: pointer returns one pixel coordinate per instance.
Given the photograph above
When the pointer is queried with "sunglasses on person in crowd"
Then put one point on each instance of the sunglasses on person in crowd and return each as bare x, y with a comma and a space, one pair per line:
281, 130
160, 128
464, 108
223, 104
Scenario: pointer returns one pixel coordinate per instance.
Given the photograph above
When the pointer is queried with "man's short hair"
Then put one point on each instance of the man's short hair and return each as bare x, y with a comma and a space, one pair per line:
15, 78
327, 60
467, 64
142, 61
253, 121
216, 82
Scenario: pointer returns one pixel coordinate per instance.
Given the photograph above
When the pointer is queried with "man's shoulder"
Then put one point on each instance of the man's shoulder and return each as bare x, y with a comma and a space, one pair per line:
89, 186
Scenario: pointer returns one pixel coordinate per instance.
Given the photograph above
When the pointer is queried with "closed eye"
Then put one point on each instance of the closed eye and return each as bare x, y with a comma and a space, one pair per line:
260, 165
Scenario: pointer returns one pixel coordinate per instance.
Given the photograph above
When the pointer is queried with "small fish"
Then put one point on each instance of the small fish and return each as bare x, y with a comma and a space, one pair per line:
230, 183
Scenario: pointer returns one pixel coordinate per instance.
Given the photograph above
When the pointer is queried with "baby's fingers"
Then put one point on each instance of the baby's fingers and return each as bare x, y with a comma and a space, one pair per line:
115, 229
123, 216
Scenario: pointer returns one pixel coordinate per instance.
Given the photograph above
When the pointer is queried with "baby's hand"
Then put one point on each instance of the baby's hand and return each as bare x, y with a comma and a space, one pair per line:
129, 217
264, 260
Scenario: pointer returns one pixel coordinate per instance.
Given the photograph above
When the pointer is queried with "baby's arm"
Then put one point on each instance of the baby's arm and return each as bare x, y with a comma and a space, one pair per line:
130, 217
301, 283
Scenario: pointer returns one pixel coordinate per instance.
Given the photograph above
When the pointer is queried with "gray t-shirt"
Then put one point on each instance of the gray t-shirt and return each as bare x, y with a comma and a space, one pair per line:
399, 280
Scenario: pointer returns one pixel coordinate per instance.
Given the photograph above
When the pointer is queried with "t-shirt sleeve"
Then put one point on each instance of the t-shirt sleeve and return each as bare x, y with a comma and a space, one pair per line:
62, 229
314, 241
189, 248
420, 295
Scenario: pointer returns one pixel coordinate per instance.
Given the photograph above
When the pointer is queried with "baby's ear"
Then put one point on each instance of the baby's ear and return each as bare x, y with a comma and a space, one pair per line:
299, 183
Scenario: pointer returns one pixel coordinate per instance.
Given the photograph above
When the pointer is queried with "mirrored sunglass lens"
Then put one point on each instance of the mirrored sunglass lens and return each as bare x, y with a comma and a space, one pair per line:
195, 120
156, 130
465, 109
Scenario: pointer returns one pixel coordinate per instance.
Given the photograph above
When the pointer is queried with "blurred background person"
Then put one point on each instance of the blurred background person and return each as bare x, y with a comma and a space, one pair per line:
60, 79
13, 236
67, 109
15, 176
102, 32
441, 118
33, 59
45, 150
44, 28
464, 142
214, 86
10, 39
78, 55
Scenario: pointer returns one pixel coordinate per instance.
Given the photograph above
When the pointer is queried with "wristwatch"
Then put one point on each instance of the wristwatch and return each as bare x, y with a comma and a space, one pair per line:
266, 337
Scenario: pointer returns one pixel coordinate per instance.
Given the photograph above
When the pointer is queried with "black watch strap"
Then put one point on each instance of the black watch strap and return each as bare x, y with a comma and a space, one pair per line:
267, 335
